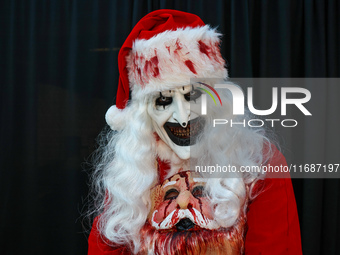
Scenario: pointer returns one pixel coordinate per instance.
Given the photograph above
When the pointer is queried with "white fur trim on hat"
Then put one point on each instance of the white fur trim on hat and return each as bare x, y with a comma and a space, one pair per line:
171, 58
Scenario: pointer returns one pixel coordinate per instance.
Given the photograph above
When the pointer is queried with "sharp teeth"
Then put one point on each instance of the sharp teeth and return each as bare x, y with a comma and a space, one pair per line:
186, 132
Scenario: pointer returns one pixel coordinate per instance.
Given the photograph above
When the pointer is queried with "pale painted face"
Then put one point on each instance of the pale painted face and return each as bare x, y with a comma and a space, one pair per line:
180, 203
175, 115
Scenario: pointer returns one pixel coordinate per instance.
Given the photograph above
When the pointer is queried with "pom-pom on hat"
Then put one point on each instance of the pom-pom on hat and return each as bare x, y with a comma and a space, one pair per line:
164, 50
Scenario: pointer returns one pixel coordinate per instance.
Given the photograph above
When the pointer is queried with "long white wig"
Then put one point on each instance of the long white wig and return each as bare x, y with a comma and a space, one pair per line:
126, 169
234, 145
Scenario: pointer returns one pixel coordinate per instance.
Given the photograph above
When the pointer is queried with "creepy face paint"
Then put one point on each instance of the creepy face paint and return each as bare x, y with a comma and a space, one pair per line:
180, 203
175, 120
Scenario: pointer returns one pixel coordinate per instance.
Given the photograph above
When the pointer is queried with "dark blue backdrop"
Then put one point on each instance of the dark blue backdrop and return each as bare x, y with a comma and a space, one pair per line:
59, 76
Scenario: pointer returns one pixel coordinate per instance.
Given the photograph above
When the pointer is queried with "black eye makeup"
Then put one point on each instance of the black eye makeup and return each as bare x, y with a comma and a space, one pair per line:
163, 101
193, 95
198, 191
171, 194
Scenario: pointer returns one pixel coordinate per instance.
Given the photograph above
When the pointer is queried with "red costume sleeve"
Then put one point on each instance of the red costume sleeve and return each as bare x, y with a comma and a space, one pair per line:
99, 246
273, 223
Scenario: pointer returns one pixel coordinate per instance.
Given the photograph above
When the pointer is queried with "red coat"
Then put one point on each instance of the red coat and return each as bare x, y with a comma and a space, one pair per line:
273, 223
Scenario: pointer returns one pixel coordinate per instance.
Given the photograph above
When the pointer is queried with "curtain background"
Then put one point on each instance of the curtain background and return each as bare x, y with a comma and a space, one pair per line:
59, 75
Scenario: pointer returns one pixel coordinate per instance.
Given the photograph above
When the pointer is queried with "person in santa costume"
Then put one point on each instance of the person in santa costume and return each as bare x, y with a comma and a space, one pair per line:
157, 131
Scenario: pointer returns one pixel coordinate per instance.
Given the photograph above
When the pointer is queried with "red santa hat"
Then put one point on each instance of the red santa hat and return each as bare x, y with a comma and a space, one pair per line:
164, 50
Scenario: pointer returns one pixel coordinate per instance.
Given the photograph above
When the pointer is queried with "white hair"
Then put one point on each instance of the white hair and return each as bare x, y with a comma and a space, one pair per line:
225, 145
126, 169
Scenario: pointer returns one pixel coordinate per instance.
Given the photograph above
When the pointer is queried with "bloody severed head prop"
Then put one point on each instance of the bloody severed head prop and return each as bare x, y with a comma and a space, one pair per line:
181, 221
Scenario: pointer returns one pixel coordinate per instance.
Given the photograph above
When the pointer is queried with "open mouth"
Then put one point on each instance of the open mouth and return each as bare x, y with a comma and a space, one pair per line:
184, 136
185, 224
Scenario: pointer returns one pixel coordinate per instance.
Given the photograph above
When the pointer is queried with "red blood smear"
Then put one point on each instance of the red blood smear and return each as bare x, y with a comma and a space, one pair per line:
192, 212
204, 48
185, 175
155, 72
200, 202
151, 67
178, 45
154, 61
174, 217
146, 66
139, 73
217, 54
136, 69
190, 65
166, 208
